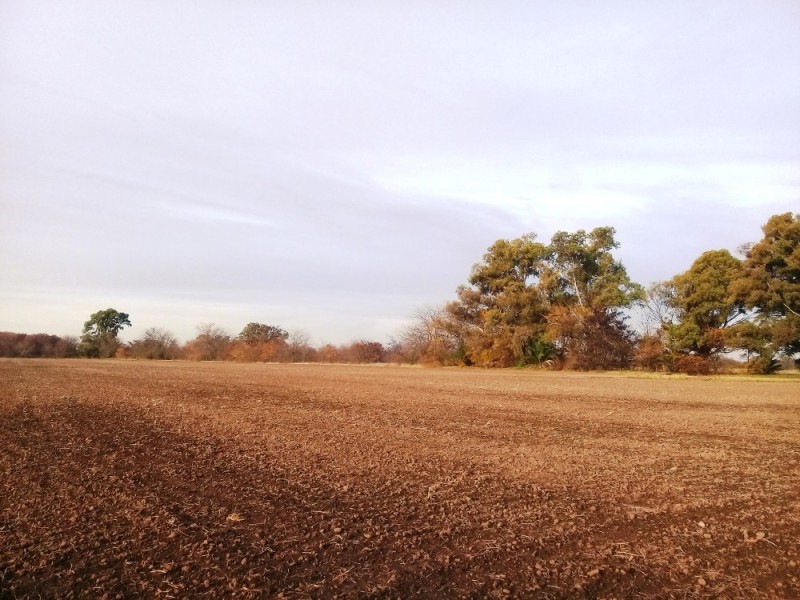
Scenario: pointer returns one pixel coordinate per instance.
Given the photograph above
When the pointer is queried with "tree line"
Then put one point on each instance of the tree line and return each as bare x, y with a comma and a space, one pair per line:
565, 304
257, 342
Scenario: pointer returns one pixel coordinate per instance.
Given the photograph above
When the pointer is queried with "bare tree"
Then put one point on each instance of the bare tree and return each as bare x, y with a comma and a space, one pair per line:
212, 343
430, 337
299, 344
157, 344
657, 307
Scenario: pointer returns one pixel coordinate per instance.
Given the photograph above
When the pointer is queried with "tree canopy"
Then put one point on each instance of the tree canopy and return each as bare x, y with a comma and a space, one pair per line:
703, 303
768, 285
528, 302
724, 304
770, 277
587, 274
100, 331
259, 333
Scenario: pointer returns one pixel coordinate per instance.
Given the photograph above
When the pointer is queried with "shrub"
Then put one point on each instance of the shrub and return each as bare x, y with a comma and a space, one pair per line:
764, 365
651, 354
693, 365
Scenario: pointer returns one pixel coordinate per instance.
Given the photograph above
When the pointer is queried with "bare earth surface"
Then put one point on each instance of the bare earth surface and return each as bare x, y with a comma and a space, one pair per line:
180, 480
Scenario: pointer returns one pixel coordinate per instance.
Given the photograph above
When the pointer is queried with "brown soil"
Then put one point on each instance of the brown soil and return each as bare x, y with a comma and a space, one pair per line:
123, 479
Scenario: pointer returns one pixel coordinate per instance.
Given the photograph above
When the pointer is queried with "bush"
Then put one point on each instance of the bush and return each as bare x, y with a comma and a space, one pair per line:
157, 344
211, 343
651, 354
593, 339
764, 365
693, 365
365, 351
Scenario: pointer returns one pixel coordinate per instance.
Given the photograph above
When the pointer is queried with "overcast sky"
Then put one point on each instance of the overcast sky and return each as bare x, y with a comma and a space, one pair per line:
332, 166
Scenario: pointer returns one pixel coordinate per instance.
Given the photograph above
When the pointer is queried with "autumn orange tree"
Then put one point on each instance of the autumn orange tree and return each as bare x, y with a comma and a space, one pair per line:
364, 351
156, 344
212, 343
259, 342
431, 338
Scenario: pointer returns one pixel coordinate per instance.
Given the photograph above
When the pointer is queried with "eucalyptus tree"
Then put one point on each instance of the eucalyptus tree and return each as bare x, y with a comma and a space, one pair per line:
528, 302
768, 285
592, 289
703, 304
503, 309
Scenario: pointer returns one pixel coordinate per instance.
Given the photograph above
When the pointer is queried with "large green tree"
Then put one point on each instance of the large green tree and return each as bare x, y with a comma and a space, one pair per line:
586, 272
528, 302
503, 309
100, 333
768, 284
703, 305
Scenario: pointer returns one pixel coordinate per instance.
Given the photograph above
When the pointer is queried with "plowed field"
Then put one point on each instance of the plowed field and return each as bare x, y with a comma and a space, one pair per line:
124, 479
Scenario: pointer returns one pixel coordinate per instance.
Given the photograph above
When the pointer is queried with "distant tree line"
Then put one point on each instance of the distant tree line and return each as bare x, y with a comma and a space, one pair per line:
37, 345
257, 342
562, 305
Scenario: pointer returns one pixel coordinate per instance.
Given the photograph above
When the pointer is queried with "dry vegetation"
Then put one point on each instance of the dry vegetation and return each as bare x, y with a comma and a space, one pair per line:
177, 480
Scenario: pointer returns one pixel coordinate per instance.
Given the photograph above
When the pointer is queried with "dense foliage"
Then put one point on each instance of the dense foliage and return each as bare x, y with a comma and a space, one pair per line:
768, 285
101, 331
703, 304
531, 303
722, 304
565, 304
